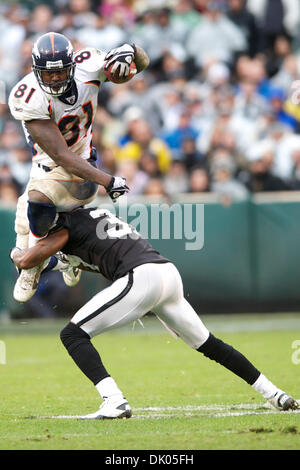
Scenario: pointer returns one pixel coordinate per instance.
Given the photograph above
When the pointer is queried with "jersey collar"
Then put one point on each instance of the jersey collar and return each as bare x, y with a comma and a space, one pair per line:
71, 96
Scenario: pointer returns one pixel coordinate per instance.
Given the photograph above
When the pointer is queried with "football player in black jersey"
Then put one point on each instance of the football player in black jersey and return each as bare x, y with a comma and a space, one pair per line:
143, 281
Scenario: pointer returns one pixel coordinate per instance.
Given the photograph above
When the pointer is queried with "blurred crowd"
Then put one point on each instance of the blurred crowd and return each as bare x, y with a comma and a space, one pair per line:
216, 110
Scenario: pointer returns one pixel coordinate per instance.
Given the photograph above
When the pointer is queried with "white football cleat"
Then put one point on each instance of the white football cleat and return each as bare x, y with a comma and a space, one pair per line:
27, 283
71, 276
283, 402
111, 408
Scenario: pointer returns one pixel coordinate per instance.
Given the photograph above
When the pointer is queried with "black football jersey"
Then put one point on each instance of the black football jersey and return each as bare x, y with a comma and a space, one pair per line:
104, 243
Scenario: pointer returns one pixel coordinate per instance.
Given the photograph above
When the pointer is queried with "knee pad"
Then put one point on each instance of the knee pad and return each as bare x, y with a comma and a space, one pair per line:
72, 335
41, 217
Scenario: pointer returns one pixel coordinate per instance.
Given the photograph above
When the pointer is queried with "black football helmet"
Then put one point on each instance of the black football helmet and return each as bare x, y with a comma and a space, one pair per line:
53, 52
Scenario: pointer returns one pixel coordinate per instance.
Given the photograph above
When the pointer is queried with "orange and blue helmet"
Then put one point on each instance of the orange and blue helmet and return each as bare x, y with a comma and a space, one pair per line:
53, 52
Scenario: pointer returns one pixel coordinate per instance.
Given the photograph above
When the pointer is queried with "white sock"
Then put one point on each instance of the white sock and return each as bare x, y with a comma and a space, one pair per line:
22, 241
263, 386
108, 387
33, 239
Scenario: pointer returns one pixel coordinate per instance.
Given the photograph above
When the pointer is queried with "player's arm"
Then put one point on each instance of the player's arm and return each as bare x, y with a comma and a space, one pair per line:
25, 259
141, 58
48, 136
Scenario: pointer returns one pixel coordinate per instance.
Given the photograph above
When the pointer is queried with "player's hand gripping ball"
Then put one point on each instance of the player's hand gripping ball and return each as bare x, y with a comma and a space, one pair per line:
112, 73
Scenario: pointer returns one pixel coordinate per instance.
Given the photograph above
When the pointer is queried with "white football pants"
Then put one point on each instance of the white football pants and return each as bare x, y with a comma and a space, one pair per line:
151, 287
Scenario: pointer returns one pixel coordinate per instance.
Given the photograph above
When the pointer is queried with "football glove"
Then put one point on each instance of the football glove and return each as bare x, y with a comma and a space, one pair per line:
116, 188
121, 57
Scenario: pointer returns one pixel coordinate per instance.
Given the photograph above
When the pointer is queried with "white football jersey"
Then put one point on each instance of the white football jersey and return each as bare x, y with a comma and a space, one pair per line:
27, 101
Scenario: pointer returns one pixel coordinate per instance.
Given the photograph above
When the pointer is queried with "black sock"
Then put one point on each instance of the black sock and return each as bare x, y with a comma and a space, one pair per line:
79, 346
227, 356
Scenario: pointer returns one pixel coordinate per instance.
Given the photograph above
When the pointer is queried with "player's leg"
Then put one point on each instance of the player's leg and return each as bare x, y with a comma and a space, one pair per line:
86, 357
41, 215
229, 357
66, 192
178, 314
126, 300
36, 214
27, 281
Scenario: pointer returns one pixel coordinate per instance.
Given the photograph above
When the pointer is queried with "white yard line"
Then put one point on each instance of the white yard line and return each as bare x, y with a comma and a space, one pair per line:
206, 411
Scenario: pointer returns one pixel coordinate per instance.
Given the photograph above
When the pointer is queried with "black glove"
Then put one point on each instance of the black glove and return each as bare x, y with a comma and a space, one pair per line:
121, 57
116, 188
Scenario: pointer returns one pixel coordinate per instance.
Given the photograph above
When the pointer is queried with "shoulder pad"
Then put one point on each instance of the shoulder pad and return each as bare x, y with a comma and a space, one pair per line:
89, 64
27, 101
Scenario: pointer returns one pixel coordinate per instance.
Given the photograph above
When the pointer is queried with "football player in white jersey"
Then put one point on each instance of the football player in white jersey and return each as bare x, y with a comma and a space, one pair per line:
57, 103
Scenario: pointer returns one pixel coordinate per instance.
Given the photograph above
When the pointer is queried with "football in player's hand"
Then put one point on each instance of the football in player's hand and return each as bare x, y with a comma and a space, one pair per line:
114, 77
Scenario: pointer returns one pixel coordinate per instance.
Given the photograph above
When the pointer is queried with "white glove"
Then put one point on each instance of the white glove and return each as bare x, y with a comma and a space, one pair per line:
117, 187
121, 57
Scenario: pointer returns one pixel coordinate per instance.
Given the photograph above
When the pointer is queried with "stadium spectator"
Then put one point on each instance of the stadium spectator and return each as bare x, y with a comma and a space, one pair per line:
260, 177
101, 33
277, 100
108, 159
9, 192
189, 155
284, 142
287, 73
139, 102
149, 164
275, 17
183, 131
158, 34
173, 64
40, 21
282, 49
185, 14
295, 180
11, 136
136, 179
176, 180
12, 35
155, 188
112, 8
20, 166
225, 39
199, 181
249, 102
223, 183
141, 140
246, 21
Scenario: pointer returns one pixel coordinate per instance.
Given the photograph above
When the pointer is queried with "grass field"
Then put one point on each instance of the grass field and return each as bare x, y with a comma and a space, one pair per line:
180, 400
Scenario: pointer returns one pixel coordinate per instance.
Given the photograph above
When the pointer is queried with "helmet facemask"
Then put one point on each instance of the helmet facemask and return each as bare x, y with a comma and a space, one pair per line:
55, 88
